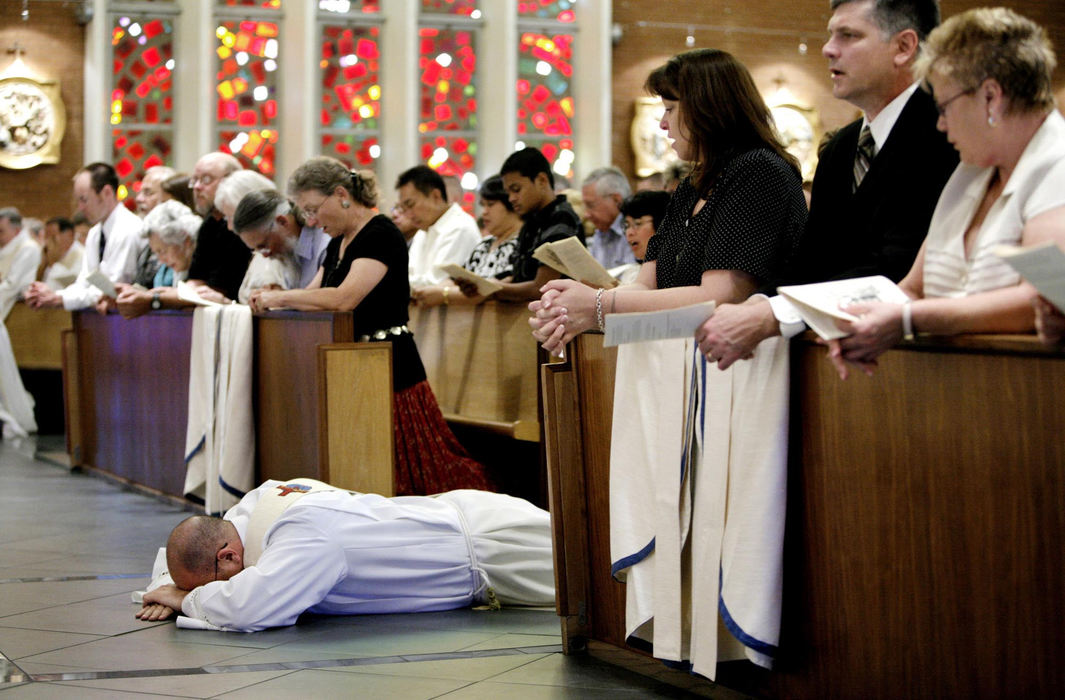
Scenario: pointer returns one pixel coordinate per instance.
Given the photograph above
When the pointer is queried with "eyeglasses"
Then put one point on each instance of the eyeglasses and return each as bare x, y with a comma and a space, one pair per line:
216, 561
312, 212
941, 107
405, 206
204, 180
633, 223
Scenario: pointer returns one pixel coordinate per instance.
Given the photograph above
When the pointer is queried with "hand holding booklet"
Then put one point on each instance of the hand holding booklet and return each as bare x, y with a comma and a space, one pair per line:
186, 292
571, 258
485, 286
640, 326
821, 305
1042, 265
101, 282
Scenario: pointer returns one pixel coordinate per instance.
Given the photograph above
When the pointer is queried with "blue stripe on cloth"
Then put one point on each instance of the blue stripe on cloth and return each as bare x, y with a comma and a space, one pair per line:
196, 450
231, 490
747, 640
632, 559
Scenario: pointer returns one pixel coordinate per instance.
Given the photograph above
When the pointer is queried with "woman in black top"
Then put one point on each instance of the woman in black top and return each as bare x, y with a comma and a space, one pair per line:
731, 224
365, 271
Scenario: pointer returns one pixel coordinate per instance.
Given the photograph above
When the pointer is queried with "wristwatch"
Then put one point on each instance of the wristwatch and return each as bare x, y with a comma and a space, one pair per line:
157, 303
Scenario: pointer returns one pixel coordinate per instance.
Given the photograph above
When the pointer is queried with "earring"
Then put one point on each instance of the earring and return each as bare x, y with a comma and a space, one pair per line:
345, 203
991, 121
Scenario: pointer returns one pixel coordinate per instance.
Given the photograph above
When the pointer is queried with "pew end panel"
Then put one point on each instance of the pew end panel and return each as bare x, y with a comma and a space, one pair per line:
356, 444
287, 389
481, 362
36, 336
566, 502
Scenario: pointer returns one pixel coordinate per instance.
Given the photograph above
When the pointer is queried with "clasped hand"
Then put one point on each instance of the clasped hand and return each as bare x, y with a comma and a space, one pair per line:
565, 309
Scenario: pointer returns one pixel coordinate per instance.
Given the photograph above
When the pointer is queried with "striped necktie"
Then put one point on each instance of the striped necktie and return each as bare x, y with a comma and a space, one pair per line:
864, 155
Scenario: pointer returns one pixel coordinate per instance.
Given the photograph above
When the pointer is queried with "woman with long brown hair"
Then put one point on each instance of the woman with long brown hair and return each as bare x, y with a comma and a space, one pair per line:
731, 224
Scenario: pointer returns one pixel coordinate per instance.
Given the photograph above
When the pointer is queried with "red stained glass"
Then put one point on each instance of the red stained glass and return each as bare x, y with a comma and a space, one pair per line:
558, 10
134, 151
351, 91
450, 7
446, 81
246, 85
545, 100
265, 4
351, 150
141, 111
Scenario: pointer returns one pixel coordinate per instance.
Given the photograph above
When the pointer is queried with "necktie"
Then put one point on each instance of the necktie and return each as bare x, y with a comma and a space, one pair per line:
103, 242
864, 155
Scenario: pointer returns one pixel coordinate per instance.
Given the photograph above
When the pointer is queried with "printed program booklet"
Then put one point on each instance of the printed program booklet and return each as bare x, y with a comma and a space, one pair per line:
640, 326
485, 286
571, 258
1042, 265
821, 305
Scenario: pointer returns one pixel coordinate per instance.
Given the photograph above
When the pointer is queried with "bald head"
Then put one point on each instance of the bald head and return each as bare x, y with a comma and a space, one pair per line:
210, 170
202, 549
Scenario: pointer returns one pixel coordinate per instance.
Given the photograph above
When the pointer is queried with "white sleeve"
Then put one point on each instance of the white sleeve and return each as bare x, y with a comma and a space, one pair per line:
791, 323
81, 294
298, 569
23, 271
452, 246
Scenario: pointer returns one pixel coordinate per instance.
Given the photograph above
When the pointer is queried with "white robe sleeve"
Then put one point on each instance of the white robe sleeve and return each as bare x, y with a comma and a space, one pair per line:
22, 273
298, 569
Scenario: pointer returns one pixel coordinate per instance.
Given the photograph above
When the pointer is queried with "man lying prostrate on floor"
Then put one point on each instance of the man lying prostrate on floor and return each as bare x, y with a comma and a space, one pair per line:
301, 545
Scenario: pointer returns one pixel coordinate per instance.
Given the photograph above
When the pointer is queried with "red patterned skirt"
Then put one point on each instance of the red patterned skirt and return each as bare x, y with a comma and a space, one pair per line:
429, 458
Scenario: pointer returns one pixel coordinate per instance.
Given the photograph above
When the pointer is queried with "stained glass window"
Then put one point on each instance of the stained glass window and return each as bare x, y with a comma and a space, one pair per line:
466, 8
141, 97
453, 155
545, 99
246, 86
267, 4
351, 94
559, 10
343, 7
447, 119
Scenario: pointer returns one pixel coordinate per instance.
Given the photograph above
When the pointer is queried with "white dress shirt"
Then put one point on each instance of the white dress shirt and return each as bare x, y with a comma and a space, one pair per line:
124, 239
64, 271
450, 239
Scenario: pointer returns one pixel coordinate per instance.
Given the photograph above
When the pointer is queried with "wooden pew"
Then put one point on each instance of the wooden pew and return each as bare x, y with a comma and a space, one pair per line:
323, 404
481, 363
36, 336
926, 505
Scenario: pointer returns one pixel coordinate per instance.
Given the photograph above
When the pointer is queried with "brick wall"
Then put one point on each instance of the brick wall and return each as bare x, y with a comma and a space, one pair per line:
54, 47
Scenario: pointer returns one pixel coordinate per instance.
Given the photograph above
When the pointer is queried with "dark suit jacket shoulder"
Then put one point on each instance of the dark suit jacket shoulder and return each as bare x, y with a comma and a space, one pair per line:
879, 228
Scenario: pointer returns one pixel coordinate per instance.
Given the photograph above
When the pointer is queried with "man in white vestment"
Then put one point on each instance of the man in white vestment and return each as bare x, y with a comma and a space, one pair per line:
20, 256
301, 545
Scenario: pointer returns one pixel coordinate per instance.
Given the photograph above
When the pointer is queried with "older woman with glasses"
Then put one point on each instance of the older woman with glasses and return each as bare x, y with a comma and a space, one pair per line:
365, 271
989, 70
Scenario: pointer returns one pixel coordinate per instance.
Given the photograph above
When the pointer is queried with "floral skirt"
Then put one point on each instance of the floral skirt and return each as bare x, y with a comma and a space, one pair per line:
429, 458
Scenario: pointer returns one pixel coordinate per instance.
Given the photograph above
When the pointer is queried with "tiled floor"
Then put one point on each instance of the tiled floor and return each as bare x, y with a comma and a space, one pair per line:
73, 547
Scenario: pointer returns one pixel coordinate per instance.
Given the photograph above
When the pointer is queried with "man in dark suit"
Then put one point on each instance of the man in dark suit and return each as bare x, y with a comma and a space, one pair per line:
869, 212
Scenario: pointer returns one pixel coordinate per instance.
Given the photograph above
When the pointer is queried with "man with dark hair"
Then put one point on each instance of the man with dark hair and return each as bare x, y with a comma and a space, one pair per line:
62, 256
870, 207
111, 247
300, 545
547, 217
446, 233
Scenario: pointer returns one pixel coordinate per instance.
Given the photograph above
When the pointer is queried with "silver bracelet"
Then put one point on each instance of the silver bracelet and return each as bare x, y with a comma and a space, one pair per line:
599, 308
907, 320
